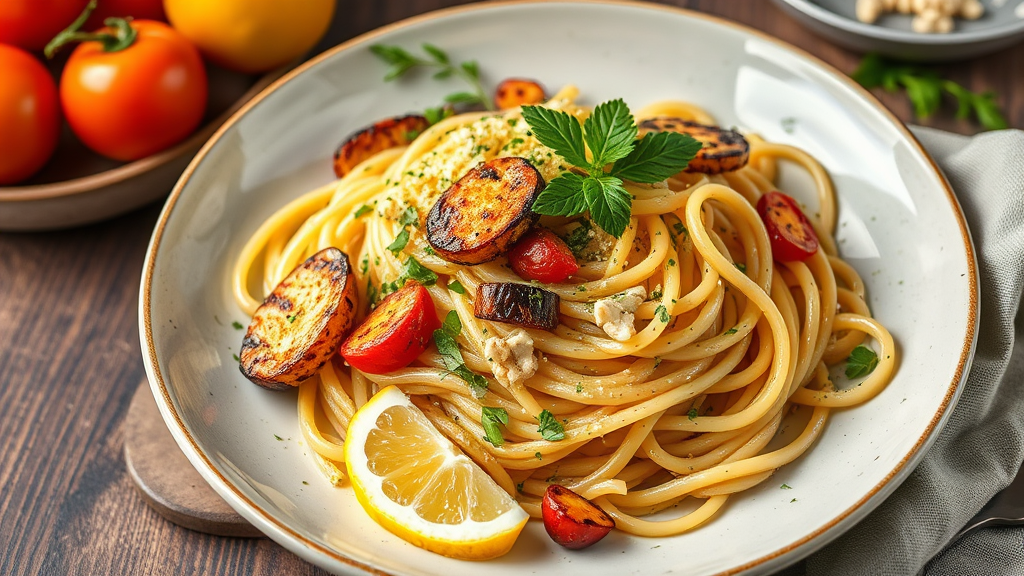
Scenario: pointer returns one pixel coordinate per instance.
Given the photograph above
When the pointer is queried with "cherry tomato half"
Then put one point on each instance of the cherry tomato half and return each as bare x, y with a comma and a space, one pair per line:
29, 115
791, 234
133, 102
31, 24
397, 331
542, 256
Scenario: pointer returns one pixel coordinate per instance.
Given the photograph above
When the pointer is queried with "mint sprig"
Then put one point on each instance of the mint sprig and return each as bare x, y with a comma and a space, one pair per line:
610, 133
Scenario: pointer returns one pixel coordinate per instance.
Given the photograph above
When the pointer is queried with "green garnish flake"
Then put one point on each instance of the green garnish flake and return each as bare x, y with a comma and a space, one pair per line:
925, 89
661, 313
399, 242
237, 325
785, 487
579, 238
550, 428
409, 216
732, 330
491, 418
538, 456
448, 348
610, 133
402, 61
457, 287
861, 362
740, 266
279, 439
692, 414
291, 318
579, 388
362, 211
235, 356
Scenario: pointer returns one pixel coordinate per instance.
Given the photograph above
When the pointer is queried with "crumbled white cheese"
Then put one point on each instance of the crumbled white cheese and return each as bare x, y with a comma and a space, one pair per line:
512, 360
615, 314
929, 15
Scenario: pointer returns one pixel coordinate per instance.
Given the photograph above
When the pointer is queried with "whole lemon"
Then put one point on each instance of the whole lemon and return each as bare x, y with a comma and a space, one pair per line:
251, 36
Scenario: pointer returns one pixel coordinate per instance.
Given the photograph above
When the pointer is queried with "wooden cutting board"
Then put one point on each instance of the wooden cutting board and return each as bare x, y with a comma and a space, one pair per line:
166, 479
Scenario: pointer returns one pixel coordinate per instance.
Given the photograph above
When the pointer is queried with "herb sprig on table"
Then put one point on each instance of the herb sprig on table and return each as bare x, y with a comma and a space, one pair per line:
925, 89
595, 184
402, 61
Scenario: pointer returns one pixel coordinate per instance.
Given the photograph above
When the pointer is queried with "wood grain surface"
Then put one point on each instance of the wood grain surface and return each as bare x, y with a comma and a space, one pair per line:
70, 358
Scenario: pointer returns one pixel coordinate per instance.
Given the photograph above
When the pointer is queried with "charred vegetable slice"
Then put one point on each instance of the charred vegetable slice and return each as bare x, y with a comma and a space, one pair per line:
571, 520
519, 304
301, 323
397, 331
483, 214
515, 92
723, 150
387, 133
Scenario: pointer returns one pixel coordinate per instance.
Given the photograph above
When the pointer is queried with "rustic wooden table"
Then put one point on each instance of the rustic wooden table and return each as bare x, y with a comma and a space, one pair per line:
70, 358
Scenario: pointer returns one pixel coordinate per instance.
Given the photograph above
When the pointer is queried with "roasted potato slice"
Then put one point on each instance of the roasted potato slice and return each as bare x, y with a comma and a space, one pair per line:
301, 323
482, 215
387, 133
515, 92
519, 304
723, 150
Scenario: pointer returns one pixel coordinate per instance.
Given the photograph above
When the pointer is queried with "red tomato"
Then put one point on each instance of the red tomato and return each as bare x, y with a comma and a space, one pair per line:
791, 234
571, 520
135, 102
542, 256
137, 9
31, 24
395, 333
29, 115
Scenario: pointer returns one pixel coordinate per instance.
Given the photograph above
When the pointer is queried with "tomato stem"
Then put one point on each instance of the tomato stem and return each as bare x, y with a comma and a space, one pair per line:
122, 37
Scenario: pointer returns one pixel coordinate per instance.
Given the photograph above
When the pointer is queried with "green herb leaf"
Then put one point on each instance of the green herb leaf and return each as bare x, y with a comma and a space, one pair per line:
237, 325
579, 238
786, 487
558, 131
402, 61
399, 242
457, 287
439, 55
413, 270
291, 318
692, 414
657, 156
609, 203
861, 362
462, 98
609, 132
563, 196
364, 209
550, 428
491, 418
435, 115
235, 356
409, 216
452, 323
662, 313
448, 348
731, 331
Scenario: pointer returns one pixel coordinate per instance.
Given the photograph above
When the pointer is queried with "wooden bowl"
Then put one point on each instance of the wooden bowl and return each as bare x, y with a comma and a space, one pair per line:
78, 186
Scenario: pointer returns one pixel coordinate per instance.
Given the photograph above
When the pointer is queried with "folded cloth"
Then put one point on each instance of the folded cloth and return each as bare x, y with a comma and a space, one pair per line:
980, 450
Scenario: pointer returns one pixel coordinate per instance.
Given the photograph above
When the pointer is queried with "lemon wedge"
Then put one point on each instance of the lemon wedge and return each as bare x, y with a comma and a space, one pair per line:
417, 484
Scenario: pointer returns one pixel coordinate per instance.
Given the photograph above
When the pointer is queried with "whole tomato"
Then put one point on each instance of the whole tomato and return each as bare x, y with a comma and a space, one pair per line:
251, 36
30, 24
29, 115
133, 89
137, 9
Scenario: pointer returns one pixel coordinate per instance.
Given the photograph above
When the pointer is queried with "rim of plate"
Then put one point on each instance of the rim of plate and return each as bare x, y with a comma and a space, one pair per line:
955, 37
265, 517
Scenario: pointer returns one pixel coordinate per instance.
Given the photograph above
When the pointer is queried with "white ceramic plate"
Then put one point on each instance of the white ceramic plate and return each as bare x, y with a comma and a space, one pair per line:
1002, 25
899, 225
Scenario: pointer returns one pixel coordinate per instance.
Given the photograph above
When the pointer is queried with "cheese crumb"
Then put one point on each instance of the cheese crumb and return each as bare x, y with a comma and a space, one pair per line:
930, 16
512, 360
615, 314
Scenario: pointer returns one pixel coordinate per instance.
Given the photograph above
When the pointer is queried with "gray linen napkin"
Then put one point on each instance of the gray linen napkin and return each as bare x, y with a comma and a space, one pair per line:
980, 449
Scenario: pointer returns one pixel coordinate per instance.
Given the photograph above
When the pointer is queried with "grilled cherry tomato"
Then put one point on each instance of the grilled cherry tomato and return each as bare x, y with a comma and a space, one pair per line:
132, 89
515, 92
30, 24
251, 36
791, 234
571, 520
29, 115
542, 256
395, 333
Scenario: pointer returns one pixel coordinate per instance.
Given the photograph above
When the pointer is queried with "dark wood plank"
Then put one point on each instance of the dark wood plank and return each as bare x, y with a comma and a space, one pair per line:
70, 359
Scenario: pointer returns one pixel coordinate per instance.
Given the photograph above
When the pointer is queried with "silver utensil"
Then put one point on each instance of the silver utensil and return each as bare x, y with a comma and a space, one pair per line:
1005, 508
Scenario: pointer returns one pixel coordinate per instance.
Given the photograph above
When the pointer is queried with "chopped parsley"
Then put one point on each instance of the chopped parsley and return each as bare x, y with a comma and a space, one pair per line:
661, 313
291, 318
235, 356
740, 266
457, 287
362, 210
448, 348
550, 428
399, 242
279, 439
861, 362
491, 418
579, 238
692, 414
732, 330
237, 325
785, 487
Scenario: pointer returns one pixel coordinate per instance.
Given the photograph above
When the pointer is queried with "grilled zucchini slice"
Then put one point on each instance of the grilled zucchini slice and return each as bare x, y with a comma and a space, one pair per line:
482, 215
723, 150
388, 133
301, 323
519, 304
